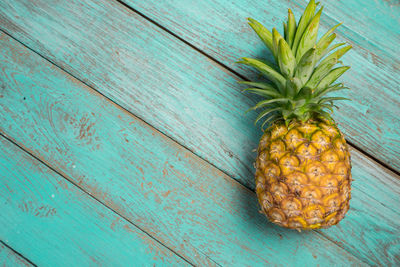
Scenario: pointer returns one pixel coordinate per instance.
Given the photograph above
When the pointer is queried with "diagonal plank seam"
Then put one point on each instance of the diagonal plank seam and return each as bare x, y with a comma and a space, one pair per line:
183, 29
380, 162
133, 115
368, 155
16, 252
64, 176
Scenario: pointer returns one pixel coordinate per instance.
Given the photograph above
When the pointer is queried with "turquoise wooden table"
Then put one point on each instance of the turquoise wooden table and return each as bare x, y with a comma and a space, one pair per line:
123, 138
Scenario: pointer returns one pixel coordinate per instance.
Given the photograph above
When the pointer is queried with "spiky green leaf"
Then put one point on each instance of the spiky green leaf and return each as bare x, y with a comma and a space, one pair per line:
293, 85
304, 93
337, 54
304, 21
320, 72
330, 78
309, 37
328, 106
285, 31
260, 85
306, 66
286, 59
318, 107
331, 89
326, 65
331, 99
299, 89
322, 47
262, 92
325, 115
291, 28
327, 34
276, 37
265, 113
267, 102
271, 120
328, 50
262, 32
286, 114
268, 71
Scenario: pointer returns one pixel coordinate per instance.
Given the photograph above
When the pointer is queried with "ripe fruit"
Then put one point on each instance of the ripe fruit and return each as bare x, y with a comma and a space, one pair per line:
303, 166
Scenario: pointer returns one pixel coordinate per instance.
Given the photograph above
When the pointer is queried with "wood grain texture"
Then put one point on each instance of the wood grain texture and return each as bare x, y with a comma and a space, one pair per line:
175, 196
180, 196
169, 85
371, 121
53, 223
9, 258
378, 243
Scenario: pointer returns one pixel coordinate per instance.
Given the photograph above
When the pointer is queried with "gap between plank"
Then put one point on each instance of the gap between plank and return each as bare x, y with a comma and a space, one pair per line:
380, 162
133, 115
16, 252
65, 177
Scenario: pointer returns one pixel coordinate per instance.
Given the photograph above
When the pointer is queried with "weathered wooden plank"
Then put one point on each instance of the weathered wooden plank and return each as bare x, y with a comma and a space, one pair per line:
373, 184
54, 223
219, 28
175, 89
374, 24
10, 258
175, 196
131, 61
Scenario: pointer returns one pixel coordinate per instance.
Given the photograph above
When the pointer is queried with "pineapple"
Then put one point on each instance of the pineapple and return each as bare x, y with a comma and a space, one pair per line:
303, 165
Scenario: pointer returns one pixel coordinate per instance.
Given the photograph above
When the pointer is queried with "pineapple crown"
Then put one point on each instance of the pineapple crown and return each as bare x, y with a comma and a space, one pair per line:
305, 70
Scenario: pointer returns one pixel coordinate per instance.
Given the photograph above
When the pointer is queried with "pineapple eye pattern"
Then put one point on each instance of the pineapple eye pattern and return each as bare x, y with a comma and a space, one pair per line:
291, 207
330, 159
264, 140
306, 151
314, 214
303, 176
330, 130
271, 173
329, 185
308, 128
310, 179
289, 164
320, 141
315, 171
277, 149
276, 215
266, 201
332, 219
262, 160
293, 138
332, 202
279, 191
297, 223
278, 132
296, 181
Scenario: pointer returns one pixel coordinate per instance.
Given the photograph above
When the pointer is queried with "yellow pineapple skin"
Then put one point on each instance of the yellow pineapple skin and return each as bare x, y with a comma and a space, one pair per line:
303, 174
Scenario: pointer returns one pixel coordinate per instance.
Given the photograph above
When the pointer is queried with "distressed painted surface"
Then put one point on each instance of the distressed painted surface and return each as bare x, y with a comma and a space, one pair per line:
375, 226
10, 258
168, 84
181, 200
371, 121
53, 223
198, 103
176, 197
